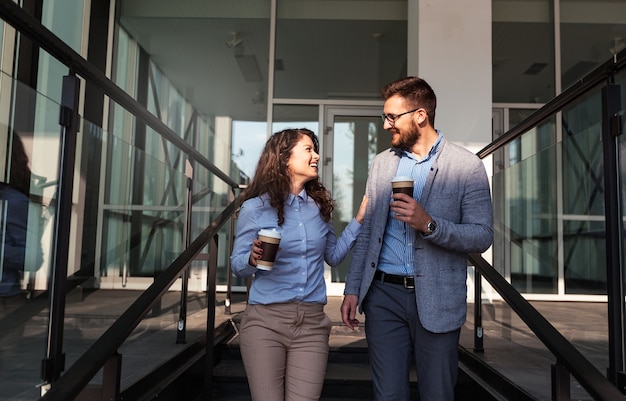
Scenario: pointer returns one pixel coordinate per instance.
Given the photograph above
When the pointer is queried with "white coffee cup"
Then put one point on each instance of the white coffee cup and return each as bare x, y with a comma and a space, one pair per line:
402, 184
270, 239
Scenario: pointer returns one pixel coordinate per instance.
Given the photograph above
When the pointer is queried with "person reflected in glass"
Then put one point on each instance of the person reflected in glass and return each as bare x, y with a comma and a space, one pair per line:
284, 330
14, 224
409, 267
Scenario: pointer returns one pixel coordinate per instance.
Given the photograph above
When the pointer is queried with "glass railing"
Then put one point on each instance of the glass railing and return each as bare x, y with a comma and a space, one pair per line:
552, 238
144, 221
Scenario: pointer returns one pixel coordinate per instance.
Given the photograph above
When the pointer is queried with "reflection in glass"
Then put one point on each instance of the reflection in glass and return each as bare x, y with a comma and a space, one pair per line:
589, 39
584, 239
311, 36
523, 51
526, 224
355, 143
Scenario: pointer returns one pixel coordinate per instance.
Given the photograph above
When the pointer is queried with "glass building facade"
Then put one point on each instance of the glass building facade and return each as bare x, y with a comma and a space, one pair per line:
223, 75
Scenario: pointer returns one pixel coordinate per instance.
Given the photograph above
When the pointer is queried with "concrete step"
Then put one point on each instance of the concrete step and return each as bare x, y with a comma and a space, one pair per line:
347, 375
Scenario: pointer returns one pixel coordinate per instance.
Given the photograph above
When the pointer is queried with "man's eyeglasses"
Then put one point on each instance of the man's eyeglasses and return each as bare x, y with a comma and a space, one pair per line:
392, 118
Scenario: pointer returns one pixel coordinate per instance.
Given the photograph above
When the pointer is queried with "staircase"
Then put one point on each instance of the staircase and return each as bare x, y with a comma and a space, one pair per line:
347, 376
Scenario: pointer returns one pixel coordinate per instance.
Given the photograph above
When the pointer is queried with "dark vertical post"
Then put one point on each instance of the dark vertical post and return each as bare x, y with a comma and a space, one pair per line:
210, 320
478, 316
229, 274
181, 328
560, 382
137, 218
111, 377
54, 363
611, 128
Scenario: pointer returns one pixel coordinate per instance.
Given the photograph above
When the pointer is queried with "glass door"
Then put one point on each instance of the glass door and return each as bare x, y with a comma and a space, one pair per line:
352, 137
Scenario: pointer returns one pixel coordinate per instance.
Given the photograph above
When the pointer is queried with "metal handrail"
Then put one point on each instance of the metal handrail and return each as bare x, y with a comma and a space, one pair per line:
48, 41
71, 383
596, 384
597, 76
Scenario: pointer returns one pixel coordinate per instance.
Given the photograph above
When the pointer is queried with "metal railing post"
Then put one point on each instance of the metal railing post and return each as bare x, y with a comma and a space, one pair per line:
478, 317
181, 328
229, 274
111, 378
54, 362
210, 321
611, 129
560, 382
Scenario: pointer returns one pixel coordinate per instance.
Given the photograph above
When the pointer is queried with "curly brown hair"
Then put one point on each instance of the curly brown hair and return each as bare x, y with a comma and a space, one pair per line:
272, 176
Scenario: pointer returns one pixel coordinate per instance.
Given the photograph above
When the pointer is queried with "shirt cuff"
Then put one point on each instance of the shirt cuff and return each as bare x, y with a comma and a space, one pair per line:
354, 227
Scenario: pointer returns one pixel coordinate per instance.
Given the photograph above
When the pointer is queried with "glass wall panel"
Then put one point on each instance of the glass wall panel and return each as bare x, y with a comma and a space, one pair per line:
248, 141
530, 218
333, 49
28, 195
584, 249
621, 80
591, 33
65, 20
158, 239
356, 141
142, 235
203, 101
523, 51
296, 116
215, 53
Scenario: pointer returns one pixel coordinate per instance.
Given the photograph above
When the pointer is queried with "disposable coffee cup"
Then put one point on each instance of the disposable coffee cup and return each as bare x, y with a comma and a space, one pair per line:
269, 243
402, 184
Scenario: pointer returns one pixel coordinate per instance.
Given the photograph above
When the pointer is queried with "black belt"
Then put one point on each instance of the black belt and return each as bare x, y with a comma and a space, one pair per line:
406, 281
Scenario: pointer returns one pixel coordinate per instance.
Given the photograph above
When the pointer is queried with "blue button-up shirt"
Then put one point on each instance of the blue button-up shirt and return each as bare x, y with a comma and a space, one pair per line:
396, 254
307, 241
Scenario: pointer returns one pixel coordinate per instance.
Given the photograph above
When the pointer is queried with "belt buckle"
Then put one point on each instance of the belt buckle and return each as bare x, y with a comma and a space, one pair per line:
405, 281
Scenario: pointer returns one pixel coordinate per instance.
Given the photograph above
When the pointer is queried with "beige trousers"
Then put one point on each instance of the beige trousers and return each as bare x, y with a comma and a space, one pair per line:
284, 348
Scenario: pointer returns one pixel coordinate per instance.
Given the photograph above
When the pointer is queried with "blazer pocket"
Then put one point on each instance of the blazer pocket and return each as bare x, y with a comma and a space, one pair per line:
453, 292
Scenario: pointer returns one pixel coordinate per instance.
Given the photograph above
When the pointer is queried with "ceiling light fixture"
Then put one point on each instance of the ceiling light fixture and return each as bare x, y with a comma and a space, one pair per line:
234, 41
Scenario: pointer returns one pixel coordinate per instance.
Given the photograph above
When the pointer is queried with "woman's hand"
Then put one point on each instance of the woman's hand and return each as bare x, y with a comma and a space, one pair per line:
255, 252
360, 215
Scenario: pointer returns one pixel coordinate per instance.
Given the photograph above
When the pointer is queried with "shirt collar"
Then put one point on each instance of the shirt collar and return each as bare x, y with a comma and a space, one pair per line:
292, 197
433, 151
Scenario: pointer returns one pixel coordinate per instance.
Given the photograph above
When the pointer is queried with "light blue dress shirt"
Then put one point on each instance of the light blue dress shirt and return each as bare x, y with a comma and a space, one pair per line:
396, 254
307, 241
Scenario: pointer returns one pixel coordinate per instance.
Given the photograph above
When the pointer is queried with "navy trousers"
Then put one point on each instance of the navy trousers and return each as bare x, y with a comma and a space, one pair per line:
396, 338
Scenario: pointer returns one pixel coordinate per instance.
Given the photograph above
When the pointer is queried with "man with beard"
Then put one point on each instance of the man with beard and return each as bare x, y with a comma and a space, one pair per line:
409, 267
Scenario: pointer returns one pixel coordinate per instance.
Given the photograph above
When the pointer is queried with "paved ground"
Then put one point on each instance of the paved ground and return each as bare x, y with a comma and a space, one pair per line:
509, 346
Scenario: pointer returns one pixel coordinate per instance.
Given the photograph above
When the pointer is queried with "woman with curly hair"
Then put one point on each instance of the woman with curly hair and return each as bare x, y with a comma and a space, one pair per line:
284, 329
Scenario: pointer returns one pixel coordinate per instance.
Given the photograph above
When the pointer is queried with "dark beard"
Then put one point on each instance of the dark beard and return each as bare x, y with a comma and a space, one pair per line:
407, 138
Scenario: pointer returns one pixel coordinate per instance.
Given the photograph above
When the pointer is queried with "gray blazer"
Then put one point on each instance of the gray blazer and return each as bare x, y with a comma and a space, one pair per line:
457, 196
